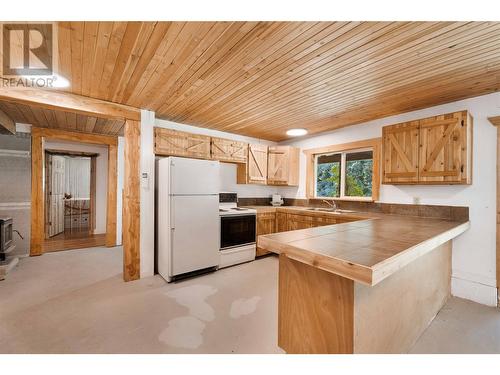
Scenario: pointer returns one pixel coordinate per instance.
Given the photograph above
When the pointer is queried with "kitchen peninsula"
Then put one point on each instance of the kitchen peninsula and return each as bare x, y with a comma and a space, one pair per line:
369, 285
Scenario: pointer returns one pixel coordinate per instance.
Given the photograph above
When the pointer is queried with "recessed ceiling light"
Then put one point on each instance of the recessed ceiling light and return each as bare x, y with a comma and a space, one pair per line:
296, 132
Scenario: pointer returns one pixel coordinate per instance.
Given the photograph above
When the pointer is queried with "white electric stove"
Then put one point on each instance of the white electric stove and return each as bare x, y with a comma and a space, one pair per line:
237, 231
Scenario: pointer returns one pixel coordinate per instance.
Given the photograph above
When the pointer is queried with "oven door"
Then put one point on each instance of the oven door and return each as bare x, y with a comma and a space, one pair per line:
237, 230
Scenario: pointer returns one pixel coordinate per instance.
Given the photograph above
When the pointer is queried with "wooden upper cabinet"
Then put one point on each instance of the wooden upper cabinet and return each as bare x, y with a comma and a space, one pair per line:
446, 149
257, 164
400, 153
227, 150
170, 142
283, 165
434, 150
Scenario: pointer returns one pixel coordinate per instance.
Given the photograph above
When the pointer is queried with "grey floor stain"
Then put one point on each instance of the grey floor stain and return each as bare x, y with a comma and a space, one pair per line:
244, 306
193, 297
183, 332
187, 331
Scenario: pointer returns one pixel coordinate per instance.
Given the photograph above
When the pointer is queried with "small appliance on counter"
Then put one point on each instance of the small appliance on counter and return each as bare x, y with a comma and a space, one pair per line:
237, 231
276, 200
188, 217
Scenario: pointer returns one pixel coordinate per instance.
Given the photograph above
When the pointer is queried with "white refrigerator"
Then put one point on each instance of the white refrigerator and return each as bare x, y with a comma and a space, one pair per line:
188, 224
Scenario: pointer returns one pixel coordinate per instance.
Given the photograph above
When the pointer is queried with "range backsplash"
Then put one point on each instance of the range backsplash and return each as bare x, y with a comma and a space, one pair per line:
458, 213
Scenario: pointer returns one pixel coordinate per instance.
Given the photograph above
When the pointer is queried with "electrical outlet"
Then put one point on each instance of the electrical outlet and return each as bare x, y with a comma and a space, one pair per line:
416, 200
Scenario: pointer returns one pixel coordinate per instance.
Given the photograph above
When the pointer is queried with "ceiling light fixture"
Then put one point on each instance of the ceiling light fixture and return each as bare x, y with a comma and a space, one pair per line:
296, 132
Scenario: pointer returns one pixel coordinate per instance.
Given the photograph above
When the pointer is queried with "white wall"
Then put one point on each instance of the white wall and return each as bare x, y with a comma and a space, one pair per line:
474, 252
101, 175
147, 168
120, 171
227, 170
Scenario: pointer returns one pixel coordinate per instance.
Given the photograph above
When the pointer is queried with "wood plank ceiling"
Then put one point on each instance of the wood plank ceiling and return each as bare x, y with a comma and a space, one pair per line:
48, 118
262, 78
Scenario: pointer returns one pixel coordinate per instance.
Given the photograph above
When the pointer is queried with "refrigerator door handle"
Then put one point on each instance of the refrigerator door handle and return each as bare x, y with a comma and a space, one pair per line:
172, 214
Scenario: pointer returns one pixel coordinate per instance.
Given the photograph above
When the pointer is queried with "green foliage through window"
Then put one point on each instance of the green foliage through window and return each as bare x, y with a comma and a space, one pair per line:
358, 175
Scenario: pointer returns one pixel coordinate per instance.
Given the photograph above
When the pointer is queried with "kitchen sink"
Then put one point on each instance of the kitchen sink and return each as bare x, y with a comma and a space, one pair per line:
333, 210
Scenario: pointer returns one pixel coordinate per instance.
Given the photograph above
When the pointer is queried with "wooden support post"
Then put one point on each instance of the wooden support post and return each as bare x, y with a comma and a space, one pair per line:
37, 196
111, 201
131, 202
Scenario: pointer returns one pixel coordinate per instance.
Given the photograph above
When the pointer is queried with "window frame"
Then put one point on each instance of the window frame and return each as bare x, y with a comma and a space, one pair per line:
343, 170
312, 155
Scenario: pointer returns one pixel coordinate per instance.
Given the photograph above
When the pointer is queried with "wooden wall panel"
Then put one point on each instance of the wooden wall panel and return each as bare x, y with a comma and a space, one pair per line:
407, 302
131, 202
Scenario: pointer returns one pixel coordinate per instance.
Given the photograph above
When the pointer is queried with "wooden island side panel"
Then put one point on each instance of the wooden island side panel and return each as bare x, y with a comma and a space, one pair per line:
315, 310
389, 317
323, 313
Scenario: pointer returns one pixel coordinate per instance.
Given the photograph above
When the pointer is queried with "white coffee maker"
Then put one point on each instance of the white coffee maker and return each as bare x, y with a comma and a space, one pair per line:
276, 200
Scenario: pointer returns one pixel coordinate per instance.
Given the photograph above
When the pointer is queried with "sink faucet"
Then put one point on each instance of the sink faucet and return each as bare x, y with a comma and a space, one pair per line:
332, 204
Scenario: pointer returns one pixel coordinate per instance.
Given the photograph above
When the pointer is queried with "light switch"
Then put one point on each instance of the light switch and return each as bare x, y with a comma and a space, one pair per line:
145, 180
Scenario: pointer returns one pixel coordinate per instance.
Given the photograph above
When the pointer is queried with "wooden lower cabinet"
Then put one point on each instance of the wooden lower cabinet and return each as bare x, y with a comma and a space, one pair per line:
266, 224
281, 222
275, 222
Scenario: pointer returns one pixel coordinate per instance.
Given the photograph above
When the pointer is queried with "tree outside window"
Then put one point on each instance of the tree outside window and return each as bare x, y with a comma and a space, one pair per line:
346, 174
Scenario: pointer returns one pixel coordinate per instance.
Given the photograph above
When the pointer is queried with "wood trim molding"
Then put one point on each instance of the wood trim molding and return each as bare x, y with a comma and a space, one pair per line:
374, 143
131, 202
7, 123
38, 135
65, 135
70, 103
71, 153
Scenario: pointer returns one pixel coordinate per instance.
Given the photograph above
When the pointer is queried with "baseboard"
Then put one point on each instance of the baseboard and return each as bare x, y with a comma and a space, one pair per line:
477, 292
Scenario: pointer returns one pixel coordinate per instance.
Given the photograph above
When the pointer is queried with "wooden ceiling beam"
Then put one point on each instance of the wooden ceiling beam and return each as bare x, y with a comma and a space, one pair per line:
69, 103
7, 125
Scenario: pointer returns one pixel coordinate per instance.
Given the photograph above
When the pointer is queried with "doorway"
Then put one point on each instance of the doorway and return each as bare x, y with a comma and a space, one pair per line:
70, 198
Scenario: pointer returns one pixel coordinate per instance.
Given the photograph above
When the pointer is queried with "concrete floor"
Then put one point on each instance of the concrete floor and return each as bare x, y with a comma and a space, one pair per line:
76, 302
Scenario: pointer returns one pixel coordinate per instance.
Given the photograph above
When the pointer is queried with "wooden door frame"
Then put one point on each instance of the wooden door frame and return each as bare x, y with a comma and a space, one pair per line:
68, 153
39, 135
131, 198
496, 122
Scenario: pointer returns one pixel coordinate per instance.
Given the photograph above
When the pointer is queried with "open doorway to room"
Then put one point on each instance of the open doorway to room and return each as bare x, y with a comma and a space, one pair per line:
70, 200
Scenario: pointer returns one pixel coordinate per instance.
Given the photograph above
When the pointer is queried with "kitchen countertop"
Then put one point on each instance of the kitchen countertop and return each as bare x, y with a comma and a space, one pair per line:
367, 250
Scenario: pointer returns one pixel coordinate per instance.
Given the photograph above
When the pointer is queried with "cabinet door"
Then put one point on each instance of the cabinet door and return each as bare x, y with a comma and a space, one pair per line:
296, 222
277, 165
229, 151
281, 222
400, 153
176, 143
257, 164
266, 224
445, 148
